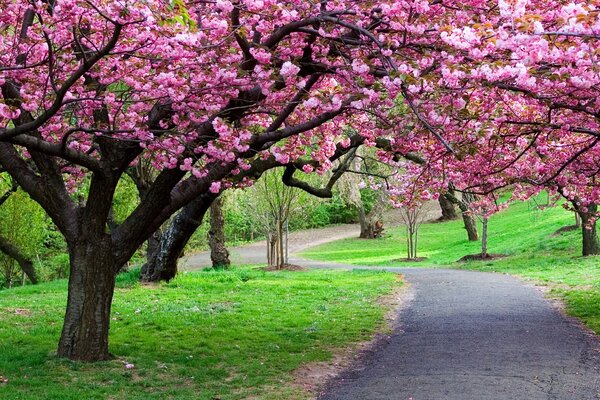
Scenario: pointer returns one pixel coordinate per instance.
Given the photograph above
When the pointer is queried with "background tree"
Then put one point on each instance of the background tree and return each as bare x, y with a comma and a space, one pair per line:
413, 216
355, 185
216, 235
447, 207
23, 231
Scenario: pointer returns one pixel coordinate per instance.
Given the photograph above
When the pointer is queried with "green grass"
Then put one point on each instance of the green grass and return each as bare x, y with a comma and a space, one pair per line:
206, 335
523, 232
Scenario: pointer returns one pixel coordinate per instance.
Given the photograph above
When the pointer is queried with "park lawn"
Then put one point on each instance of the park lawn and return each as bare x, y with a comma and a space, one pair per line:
523, 232
206, 335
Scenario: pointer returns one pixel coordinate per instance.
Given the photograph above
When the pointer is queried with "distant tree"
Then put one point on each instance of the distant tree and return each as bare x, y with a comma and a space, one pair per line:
413, 217
216, 235
447, 207
23, 229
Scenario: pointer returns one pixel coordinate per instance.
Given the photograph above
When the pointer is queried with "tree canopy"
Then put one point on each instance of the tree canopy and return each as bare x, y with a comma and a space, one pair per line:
212, 94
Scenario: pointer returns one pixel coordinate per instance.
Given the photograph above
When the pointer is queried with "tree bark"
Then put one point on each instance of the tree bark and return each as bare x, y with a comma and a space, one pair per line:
470, 226
163, 264
216, 236
468, 219
591, 246
448, 210
91, 285
25, 263
370, 226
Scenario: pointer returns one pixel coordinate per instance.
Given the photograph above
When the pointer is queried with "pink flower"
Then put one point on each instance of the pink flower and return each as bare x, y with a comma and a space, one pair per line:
288, 69
215, 187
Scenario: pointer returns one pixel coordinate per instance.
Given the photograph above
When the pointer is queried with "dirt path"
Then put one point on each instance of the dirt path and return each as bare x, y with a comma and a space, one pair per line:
256, 253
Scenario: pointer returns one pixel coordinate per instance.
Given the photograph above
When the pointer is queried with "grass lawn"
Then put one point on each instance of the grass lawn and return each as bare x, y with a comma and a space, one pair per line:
522, 231
206, 335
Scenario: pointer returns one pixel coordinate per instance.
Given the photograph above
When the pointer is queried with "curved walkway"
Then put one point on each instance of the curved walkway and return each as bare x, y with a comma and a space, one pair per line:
476, 336
465, 336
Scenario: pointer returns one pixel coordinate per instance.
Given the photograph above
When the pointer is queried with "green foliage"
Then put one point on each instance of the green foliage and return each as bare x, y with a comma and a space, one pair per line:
126, 199
24, 224
215, 334
244, 213
53, 266
333, 211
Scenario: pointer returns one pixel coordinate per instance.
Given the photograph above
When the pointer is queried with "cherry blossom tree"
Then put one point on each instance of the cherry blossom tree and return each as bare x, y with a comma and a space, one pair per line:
212, 94
515, 94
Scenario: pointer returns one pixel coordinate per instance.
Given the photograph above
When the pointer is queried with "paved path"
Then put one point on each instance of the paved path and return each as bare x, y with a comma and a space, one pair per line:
464, 336
476, 336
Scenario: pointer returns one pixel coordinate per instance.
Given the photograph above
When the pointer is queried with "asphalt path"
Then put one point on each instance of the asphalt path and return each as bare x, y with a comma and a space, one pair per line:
463, 336
472, 335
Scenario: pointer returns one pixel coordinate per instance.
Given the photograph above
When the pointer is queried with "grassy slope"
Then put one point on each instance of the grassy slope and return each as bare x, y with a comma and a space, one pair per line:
206, 335
522, 231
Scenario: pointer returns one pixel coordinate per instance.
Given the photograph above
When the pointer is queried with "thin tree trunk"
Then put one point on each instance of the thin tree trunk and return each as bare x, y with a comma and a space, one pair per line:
281, 244
416, 247
591, 246
24, 262
163, 264
484, 237
216, 236
577, 220
84, 335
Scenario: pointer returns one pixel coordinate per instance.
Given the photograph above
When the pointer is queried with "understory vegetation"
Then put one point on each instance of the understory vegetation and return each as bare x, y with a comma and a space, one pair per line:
205, 335
526, 233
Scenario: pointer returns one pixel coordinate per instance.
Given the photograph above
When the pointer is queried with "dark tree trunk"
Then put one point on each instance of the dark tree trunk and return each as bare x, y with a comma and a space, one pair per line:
470, 226
448, 209
152, 244
591, 246
91, 284
163, 264
25, 263
216, 236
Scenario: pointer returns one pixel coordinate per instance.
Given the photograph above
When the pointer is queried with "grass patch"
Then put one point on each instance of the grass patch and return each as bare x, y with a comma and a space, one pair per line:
523, 232
206, 335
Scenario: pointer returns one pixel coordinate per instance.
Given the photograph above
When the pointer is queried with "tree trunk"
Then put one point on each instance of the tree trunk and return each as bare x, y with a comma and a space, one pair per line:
281, 244
470, 226
25, 263
448, 210
91, 284
163, 264
591, 246
365, 232
216, 236
484, 237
